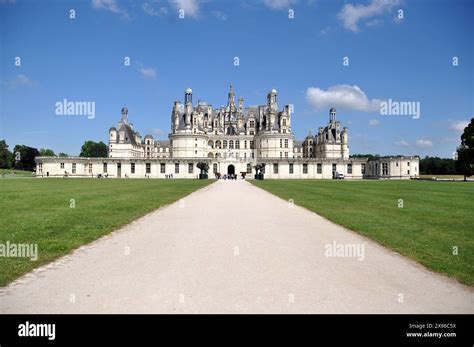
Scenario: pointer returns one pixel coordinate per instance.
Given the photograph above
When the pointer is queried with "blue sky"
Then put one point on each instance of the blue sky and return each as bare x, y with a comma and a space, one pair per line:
82, 59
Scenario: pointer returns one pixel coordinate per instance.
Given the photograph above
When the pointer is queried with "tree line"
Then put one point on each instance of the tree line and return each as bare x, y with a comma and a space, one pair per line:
23, 157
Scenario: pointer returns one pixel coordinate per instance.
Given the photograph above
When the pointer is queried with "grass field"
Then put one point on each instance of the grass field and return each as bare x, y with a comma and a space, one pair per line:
442, 176
16, 173
436, 216
39, 211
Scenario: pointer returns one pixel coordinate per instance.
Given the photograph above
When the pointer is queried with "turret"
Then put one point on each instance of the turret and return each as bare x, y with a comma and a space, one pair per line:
188, 96
124, 118
332, 115
112, 135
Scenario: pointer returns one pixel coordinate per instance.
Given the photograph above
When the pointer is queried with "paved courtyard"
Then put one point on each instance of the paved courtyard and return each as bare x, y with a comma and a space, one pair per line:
233, 248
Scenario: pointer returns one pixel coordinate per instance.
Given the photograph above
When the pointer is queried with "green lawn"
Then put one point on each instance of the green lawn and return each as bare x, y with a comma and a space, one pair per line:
436, 216
8, 173
38, 211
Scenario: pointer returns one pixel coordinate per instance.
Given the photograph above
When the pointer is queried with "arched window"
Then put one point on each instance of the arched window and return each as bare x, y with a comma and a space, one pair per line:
210, 155
211, 143
218, 144
224, 144
237, 144
231, 144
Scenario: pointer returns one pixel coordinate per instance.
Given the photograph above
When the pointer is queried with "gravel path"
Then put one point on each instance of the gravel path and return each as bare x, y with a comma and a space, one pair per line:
233, 248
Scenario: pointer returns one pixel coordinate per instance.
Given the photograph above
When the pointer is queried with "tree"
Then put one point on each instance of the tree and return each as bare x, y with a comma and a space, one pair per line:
46, 152
465, 161
93, 149
5, 156
24, 157
204, 167
370, 156
62, 154
437, 166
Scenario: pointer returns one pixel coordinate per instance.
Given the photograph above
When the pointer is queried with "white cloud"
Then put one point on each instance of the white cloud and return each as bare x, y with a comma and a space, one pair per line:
219, 15
458, 126
279, 4
157, 131
111, 6
352, 14
423, 143
147, 72
373, 22
21, 81
344, 96
190, 7
402, 143
374, 122
151, 11
324, 31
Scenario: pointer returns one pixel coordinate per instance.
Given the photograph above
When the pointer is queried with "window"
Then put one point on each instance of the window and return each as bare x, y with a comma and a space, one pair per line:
162, 168
252, 132
275, 168
148, 168
384, 169
362, 169
231, 144
334, 168
286, 143
214, 167
408, 163
284, 122
286, 154
132, 168
245, 144
224, 144
408, 172
252, 144
349, 169
237, 144
105, 168
249, 168
305, 168
73, 168
176, 168
40, 167
252, 124
281, 154
90, 168
62, 165
190, 168
281, 143
319, 168
291, 168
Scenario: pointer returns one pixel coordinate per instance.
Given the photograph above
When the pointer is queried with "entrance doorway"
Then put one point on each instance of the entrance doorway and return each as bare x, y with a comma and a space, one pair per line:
231, 170
119, 170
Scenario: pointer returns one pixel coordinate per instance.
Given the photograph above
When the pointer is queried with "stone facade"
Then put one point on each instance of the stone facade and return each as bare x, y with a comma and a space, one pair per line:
232, 139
